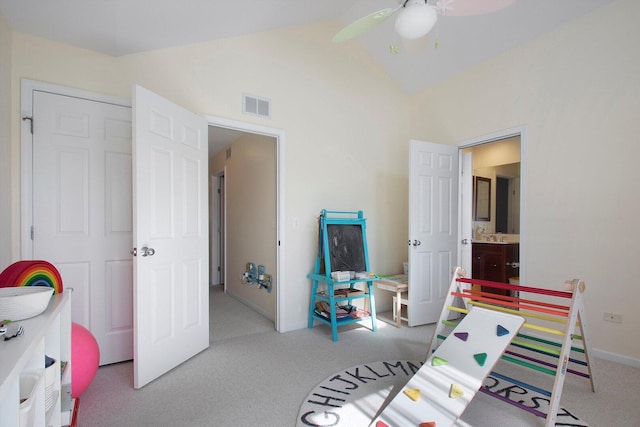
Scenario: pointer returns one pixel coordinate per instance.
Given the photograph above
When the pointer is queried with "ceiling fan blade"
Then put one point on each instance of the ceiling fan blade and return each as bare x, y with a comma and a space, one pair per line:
363, 24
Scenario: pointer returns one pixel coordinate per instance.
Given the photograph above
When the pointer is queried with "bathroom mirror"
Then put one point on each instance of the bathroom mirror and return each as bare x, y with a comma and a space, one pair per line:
482, 199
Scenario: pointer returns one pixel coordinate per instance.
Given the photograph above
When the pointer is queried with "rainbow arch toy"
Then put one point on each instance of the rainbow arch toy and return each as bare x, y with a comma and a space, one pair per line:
32, 273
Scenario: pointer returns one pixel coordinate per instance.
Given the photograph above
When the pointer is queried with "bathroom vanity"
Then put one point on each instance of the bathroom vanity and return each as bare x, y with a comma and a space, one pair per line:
495, 261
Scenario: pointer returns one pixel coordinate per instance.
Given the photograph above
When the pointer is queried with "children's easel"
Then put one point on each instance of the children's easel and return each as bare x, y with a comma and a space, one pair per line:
542, 346
342, 250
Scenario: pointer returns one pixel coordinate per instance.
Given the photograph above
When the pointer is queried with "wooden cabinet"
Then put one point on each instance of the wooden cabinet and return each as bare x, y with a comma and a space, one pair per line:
47, 334
496, 262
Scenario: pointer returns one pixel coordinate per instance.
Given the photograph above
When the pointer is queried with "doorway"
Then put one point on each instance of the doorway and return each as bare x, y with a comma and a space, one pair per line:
245, 227
500, 158
498, 162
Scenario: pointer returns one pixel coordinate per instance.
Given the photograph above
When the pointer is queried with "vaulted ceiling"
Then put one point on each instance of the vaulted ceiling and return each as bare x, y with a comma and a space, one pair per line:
120, 27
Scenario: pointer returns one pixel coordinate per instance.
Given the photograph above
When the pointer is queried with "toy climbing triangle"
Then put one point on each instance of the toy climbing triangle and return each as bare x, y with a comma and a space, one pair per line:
462, 335
445, 389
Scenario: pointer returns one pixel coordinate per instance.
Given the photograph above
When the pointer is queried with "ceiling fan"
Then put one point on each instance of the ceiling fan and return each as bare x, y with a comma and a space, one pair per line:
416, 18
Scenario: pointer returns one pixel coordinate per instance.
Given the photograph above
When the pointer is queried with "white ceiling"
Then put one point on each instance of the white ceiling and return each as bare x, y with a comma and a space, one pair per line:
120, 27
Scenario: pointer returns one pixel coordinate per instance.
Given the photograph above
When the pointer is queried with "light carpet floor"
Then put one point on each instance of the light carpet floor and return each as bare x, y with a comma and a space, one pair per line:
252, 375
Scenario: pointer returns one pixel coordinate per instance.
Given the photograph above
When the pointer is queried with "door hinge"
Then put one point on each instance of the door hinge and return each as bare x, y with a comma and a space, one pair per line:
30, 123
32, 232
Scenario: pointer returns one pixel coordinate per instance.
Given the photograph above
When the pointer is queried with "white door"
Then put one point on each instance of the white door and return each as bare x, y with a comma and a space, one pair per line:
171, 304
466, 214
433, 227
81, 172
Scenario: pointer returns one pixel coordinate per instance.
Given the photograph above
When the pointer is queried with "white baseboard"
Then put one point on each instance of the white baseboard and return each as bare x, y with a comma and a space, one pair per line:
614, 357
294, 326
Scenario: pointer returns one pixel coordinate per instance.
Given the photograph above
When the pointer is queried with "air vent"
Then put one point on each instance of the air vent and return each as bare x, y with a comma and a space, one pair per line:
256, 106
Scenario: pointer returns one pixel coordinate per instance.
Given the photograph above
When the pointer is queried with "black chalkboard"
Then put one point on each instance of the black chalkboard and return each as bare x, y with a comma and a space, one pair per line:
346, 247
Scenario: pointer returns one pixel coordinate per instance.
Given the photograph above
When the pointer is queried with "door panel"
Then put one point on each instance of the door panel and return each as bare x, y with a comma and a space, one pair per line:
466, 217
82, 211
433, 227
171, 304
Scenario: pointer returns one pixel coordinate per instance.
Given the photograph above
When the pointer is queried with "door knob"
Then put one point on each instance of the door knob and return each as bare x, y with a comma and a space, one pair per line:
465, 241
145, 251
417, 243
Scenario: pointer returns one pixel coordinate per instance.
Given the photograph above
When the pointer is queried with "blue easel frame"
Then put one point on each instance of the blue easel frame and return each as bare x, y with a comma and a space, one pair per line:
323, 259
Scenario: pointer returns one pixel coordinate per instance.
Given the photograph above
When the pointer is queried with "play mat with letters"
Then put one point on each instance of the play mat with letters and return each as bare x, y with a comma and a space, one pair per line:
352, 397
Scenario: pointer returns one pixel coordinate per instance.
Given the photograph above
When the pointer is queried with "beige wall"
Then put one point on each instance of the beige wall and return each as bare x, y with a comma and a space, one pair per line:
250, 180
577, 90
5, 137
346, 125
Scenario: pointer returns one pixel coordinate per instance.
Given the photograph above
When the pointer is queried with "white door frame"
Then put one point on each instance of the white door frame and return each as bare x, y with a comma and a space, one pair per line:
279, 136
215, 269
218, 215
465, 202
26, 149
520, 131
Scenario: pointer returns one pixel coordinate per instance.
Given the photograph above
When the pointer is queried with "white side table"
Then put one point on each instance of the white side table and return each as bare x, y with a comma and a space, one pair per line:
398, 283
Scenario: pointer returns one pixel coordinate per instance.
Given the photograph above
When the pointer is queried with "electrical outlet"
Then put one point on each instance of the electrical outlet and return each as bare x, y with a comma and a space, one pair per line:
612, 317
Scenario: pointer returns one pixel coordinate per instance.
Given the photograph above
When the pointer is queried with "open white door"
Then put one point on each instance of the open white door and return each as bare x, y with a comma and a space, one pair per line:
433, 227
466, 211
171, 304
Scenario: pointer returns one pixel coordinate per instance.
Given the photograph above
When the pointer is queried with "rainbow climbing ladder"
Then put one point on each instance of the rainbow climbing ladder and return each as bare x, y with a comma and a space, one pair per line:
553, 341
443, 387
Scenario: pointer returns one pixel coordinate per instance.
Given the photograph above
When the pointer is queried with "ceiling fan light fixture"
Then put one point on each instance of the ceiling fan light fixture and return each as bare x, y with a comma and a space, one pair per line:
416, 19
